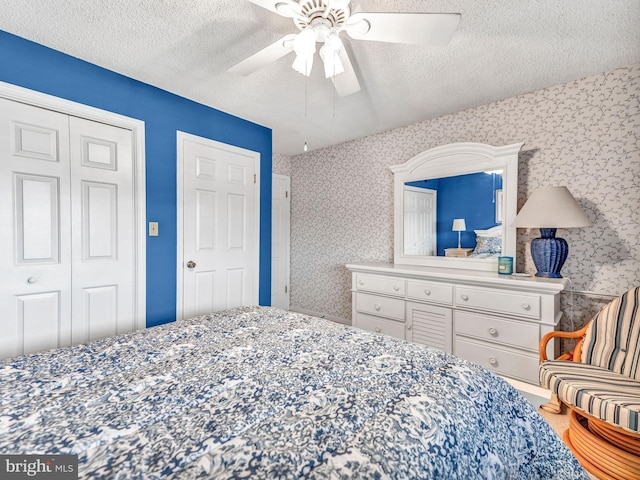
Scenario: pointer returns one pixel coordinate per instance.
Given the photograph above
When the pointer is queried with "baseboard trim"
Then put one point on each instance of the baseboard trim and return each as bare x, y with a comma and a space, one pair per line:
536, 395
313, 313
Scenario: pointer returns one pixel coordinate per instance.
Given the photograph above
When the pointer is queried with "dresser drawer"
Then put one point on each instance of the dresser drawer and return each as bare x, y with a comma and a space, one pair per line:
524, 305
503, 361
383, 306
379, 325
430, 292
507, 332
381, 284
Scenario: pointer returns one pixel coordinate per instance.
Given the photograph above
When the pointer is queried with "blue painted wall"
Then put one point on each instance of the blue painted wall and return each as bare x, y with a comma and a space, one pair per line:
459, 197
36, 67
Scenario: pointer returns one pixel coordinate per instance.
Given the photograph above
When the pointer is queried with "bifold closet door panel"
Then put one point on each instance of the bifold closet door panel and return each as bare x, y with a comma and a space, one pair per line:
35, 229
102, 209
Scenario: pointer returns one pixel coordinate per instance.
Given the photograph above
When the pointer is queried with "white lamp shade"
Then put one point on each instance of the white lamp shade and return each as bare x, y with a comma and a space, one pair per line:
459, 225
551, 207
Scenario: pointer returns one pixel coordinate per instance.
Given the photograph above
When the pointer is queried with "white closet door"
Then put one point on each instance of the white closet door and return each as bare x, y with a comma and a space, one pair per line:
67, 242
35, 230
220, 211
103, 256
280, 241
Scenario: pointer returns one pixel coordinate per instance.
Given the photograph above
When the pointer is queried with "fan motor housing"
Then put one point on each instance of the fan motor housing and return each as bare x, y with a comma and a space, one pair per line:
313, 12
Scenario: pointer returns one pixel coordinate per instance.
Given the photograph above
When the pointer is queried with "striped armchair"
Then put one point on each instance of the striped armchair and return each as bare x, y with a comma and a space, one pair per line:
600, 382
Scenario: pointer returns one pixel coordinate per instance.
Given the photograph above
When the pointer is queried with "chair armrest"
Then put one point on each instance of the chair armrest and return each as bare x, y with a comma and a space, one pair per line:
567, 356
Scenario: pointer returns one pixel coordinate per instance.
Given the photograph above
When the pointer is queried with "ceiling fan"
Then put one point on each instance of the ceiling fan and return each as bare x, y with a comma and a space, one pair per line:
322, 21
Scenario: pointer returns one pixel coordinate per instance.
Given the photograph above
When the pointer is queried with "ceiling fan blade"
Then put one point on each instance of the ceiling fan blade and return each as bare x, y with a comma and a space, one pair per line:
412, 28
346, 82
265, 56
285, 8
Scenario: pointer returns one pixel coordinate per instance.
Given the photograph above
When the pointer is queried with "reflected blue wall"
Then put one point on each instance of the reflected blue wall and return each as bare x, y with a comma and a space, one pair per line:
460, 197
36, 67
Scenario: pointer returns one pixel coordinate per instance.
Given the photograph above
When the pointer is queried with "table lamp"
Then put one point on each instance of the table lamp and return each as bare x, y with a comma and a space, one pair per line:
549, 208
459, 226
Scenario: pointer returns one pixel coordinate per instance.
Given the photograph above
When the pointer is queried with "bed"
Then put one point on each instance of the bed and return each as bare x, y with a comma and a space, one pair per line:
488, 242
263, 393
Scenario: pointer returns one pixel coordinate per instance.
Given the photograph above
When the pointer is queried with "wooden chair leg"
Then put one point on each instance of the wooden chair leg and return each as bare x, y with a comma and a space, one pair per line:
553, 405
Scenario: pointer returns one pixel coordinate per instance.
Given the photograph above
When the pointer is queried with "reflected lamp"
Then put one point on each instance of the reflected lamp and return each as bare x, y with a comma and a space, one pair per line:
459, 226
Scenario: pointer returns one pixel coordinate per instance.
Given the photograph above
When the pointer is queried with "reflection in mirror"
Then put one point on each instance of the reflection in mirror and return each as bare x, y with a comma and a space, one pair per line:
430, 190
430, 207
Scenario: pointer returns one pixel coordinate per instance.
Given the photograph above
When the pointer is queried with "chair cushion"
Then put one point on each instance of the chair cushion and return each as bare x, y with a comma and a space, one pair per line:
612, 340
606, 395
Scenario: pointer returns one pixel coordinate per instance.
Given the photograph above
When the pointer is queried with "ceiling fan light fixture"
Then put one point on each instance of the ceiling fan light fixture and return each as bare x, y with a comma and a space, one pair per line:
305, 46
330, 54
303, 64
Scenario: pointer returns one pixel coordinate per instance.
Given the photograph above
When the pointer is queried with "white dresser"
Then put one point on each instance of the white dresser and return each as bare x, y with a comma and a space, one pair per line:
493, 320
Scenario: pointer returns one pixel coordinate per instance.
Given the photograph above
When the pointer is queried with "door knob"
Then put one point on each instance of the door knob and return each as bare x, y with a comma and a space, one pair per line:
191, 264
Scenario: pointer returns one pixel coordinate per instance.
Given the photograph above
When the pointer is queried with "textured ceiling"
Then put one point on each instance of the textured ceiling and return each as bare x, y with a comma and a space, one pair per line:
502, 48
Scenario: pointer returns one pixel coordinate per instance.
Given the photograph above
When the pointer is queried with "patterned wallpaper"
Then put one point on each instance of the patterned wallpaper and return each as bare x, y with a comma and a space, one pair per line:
281, 164
584, 134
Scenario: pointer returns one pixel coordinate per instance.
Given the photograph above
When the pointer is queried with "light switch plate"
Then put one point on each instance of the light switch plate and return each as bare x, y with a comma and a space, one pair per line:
153, 229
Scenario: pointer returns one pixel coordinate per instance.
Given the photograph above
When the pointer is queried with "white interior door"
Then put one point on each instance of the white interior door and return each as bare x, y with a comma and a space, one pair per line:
67, 237
419, 221
218, 208
280, 241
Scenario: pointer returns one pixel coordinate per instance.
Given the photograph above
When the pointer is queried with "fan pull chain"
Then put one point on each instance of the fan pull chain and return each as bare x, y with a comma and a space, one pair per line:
306, 147
333, 100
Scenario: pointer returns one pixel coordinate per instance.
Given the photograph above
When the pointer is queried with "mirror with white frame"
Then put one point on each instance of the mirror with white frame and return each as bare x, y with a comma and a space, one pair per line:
472, 183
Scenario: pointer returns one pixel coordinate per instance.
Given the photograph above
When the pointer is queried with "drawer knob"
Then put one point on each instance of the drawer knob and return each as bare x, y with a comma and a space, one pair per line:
427, 292
493, 361
526, 306
464, 297
493, 332
378, 330
377, 307
396, 288
408, 327
361, 282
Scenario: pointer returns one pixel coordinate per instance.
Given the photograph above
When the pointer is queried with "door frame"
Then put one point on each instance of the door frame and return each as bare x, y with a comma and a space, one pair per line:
180, 137
68, 107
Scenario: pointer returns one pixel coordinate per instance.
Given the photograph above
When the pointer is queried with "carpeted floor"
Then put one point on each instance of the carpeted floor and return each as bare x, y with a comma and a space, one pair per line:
559, 423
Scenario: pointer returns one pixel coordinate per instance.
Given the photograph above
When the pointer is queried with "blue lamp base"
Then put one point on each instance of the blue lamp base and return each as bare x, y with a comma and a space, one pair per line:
549, 253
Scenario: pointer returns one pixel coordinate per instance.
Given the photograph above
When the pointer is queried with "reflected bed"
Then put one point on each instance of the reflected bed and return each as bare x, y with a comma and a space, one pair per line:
265, 393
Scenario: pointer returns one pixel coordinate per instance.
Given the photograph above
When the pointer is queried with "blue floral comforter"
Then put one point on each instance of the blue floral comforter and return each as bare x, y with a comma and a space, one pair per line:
262, 393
